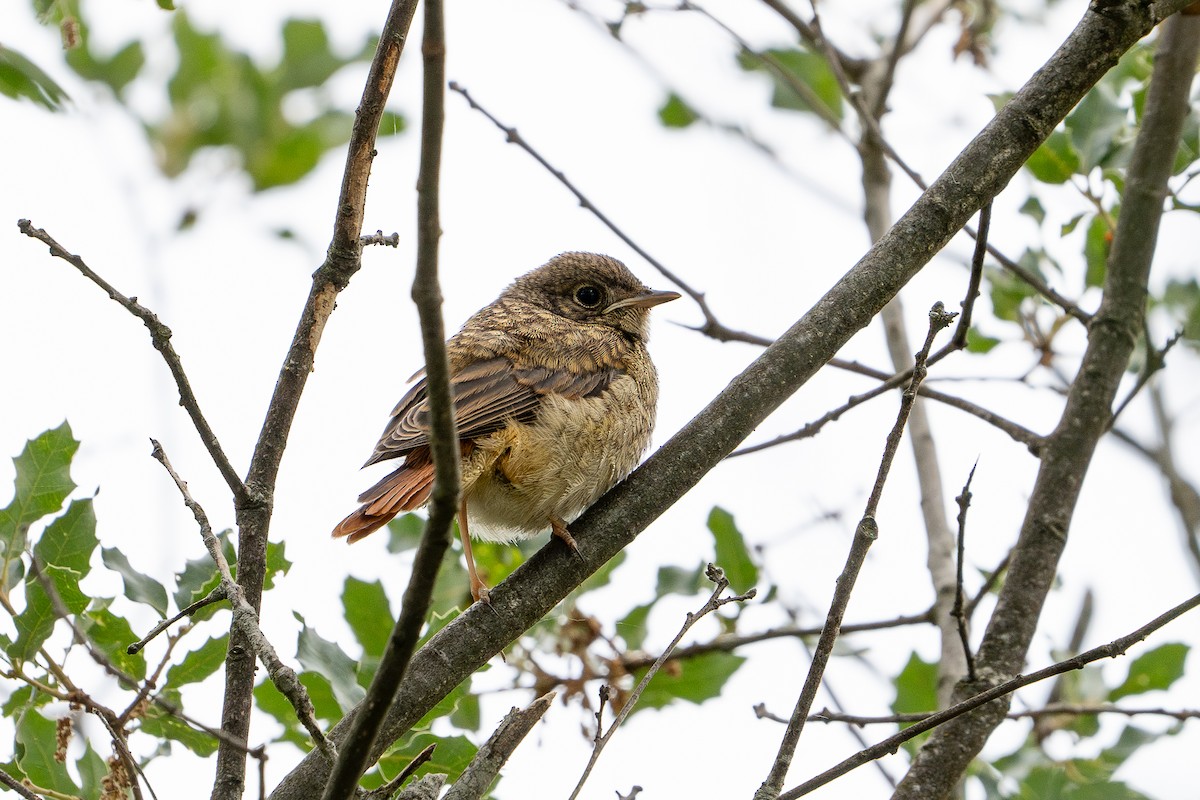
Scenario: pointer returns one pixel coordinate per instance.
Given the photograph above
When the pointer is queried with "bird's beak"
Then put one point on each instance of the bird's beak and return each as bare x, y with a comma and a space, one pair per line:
646, 300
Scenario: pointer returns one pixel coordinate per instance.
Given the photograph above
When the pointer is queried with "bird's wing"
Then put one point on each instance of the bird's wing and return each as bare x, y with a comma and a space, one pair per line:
487, 395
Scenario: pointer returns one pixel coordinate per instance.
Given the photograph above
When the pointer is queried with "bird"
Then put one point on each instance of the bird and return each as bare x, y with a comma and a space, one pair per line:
554, 396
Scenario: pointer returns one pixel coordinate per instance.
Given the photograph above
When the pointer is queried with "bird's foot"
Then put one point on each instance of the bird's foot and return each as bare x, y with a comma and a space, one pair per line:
560, 530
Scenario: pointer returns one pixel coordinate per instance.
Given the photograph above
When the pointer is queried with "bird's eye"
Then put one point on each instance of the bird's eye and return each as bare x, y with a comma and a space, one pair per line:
588, 296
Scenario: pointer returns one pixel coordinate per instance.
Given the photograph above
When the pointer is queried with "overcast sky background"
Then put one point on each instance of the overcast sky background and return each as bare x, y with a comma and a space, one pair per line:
764, 239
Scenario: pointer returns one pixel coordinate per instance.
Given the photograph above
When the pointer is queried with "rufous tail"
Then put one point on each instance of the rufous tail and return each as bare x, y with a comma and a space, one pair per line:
403, 490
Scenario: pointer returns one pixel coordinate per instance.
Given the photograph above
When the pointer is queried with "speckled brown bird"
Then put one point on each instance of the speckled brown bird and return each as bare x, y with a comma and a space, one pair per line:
554, 396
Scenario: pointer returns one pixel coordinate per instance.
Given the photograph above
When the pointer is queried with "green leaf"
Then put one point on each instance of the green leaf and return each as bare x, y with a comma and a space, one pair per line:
369, 615
677, 580
116, 72
1182, 299
731, 553
163, 725
806, 68
1096, 246
1153, 671
92, 771
1032, 207
404, 532
676, 113
692, 679
1070, 225
978, 343
276, 563
112, 635
325, 658
916, 687
450, 757
632, 626
200, 576
199, 663
1095, 127
268, 699
916, 693
138, 587
42, 483
20, 78
35, 745
64, 550
1055, 161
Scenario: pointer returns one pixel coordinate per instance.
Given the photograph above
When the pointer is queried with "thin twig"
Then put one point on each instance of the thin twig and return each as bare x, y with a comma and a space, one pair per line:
160, 337
245, 618
474, 781
1116, 647
864, 535
215, 596
1156, 359
1050, 710
964, 502
443, 502
712, 327
388, 789
728, 642
16, 786
715, 601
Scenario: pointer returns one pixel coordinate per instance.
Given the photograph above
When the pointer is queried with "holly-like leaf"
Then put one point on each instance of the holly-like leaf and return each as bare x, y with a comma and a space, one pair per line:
20, 78
1153, 671
731, 553
139, 588
1055, 161
325, 658
368, 614
42, 483
801, 66
35, 746
199, 663
112, 635
164, 725
692, 679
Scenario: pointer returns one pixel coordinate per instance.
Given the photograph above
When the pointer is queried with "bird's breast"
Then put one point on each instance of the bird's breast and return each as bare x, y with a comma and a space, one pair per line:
562, 462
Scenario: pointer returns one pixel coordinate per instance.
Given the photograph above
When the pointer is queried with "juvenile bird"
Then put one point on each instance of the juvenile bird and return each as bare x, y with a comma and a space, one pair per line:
554, 397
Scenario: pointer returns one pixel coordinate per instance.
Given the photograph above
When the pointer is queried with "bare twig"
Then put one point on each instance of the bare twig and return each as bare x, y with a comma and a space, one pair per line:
443, 501
160, 337
712, 327
485, 766
728, 642
1050, 710
16, 786
390, 788
960, 615
715, 601
215, 596
245, 618
864, 535
1116, 647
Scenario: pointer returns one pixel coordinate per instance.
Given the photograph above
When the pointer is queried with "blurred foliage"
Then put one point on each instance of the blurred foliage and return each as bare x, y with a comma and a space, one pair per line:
277, 120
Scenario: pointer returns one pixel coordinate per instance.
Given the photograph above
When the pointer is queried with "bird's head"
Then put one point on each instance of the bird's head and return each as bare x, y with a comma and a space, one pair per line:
590, 288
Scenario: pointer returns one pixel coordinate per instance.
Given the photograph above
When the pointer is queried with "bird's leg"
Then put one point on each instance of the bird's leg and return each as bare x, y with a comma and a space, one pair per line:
479, 589
560, 530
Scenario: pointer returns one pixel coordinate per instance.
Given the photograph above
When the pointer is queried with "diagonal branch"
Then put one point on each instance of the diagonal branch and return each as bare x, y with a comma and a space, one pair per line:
160, 337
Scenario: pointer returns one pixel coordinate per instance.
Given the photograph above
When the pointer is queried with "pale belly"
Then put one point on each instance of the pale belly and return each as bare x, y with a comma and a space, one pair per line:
557, 467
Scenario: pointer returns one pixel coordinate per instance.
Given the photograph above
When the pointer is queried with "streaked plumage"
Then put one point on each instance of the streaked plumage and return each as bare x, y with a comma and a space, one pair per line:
554, 397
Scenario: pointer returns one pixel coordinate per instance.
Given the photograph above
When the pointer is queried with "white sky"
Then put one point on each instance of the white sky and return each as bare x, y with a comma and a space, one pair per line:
762, 242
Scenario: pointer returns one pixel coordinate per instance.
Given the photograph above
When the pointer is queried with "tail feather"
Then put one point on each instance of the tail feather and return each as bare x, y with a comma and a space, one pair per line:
403, 490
